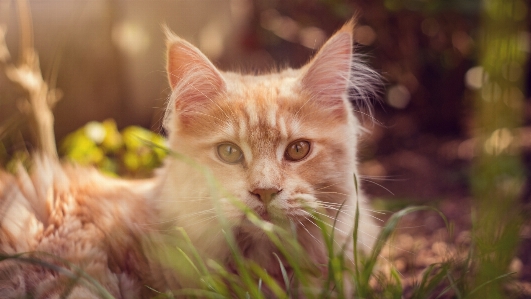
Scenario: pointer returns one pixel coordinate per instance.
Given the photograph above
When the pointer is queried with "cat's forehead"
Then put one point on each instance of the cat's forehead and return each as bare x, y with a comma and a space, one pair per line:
271, 87
262, 109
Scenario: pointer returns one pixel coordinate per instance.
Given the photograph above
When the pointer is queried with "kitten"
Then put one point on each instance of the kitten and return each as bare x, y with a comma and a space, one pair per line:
282, 145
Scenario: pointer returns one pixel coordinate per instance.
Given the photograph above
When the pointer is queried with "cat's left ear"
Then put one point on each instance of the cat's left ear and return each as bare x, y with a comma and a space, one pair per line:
194, 80
327, 75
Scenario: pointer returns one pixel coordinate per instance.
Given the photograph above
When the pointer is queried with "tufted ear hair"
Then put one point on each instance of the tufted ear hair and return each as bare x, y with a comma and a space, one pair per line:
194, 80
326, 77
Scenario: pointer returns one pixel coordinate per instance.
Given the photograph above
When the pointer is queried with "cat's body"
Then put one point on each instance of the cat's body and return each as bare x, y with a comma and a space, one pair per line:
282, 145
75, 214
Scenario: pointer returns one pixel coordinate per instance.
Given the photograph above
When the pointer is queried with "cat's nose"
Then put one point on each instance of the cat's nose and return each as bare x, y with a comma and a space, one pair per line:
265, 195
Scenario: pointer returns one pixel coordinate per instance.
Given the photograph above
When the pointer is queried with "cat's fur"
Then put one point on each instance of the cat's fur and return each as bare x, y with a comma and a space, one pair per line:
117, 230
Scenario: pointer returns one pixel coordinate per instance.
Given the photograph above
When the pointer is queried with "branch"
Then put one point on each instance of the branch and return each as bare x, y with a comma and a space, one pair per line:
28, 75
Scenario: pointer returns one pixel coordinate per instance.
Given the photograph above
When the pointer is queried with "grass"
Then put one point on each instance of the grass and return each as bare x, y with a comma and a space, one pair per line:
452, 278
449, 279
440, 280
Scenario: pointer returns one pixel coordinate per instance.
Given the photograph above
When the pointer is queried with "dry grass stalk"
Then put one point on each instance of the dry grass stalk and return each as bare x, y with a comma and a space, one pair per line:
27, 74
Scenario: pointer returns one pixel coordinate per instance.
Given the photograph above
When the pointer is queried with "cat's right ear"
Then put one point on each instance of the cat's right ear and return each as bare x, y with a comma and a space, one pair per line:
194, 80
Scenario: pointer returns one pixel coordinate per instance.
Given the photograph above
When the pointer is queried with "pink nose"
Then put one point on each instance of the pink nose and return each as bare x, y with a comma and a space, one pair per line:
265, 195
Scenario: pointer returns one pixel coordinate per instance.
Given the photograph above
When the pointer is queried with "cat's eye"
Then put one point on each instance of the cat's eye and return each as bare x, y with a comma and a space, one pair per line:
297, 150
230, 153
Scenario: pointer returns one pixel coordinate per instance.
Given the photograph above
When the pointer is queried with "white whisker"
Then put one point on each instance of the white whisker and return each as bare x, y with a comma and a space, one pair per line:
386, 189
332, 192
190, 199
328, 186
208, 219
315, 224
311, 235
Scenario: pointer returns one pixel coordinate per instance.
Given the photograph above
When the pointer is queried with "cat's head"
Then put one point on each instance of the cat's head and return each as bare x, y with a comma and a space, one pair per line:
281, 142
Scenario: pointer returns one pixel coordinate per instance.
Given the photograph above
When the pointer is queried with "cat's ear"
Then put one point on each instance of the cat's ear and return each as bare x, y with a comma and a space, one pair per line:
194, 80
327, 75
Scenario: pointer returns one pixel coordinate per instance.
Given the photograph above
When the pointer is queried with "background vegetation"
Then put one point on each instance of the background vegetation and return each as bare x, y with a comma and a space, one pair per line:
451, 130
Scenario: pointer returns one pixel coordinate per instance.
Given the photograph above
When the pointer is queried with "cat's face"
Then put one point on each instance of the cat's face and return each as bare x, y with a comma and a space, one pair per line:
280, 143
271, 147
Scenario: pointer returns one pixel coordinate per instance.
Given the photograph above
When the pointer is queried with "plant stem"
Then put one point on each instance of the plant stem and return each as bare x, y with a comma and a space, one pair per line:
28, 75
497, 172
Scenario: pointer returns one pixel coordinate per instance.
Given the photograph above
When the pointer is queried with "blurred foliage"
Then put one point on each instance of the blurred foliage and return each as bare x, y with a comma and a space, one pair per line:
497, 178
133, 152
433, 6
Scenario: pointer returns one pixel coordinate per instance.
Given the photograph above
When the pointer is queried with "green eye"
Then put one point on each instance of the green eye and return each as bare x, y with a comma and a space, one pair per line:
297, 150
230, 153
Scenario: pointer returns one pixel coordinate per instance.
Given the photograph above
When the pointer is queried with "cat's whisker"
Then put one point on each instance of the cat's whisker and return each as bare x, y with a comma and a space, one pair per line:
328, 186
207, 219
302, 106
335, 207
332, 192
231, 110
338, 207
188, 199
373, 211
371, 117
330, 217
333, 203
344, 212
338, 210
379, 185
374, 217
331, 226
315, 224
208, 211
326, 223
309, 233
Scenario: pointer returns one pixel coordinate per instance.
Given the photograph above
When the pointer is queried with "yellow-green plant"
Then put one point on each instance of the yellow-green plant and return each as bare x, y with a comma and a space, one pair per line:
129, 152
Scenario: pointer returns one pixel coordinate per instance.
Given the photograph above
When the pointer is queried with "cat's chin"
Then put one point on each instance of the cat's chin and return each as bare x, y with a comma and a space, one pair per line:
254, 244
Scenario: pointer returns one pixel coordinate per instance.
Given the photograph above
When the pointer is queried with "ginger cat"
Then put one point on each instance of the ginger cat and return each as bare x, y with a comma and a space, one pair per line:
282, 145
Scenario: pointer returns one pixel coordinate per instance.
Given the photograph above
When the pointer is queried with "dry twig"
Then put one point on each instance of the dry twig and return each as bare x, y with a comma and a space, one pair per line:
27, 74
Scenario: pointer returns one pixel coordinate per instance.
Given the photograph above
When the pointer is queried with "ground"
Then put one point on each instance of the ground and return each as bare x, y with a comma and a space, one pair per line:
421, 169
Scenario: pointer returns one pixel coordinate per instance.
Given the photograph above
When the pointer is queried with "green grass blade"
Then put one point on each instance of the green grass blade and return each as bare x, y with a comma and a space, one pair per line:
454, 286
431, 278
397, 285
361, 288
266, 279
490, 281
197, 293
284, 273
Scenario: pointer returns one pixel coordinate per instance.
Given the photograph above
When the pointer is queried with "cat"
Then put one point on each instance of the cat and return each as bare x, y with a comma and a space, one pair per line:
247, 151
